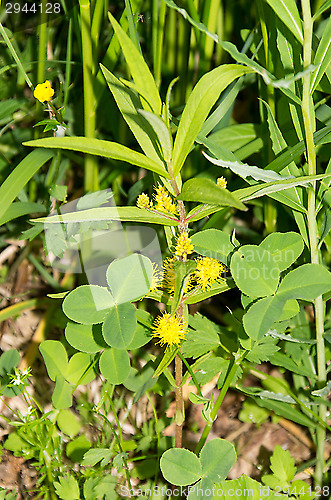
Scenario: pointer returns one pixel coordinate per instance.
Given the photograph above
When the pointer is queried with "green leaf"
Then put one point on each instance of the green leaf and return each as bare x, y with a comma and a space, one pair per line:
254, 270
55, 357
132, 214
213, 243
76, 448
78, 364
167, 357
88, 304
201, 100
282, 464
202, 339
99, 147
290, 309
207, 191
128, 103
142, 380
20, 176
85, 338
198, 343
162, 132
17, 209
244, 170
306, 282
68, 423
215, 289
130, 278
322, 57
285, 248
269, 79
245, 488
120, 325
252, 413
138, 67
258, 190
92, 457
288, 12
180, 467
286, 362
217, 457
62, 394
115, 365
286, 410
325, 6
263, 350
67, 488
8, 361
141, 337
261, 315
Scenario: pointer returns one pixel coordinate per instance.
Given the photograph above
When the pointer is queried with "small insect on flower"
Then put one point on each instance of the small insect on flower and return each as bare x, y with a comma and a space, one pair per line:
208, 271
221, 182
163, 200
43, 91
143, 201
169, 330
184, 245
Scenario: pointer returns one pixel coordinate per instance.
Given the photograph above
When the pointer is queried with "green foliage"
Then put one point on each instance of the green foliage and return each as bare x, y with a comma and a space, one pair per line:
271, 164
181, 467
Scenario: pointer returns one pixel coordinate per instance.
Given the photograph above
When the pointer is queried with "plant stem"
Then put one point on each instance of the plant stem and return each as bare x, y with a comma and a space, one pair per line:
91, 166
309, 125
235, 363
179, 402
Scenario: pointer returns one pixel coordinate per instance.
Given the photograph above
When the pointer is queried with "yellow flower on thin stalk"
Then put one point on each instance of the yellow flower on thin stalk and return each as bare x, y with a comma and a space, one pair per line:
208, 271
43, 91
222, 182
184, 245
169, 330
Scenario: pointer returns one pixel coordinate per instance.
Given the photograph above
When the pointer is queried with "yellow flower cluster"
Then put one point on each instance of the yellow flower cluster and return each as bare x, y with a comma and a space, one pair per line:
43, 91
169, 330
184, 245
143, 201
208, 271
221, 182
164, 202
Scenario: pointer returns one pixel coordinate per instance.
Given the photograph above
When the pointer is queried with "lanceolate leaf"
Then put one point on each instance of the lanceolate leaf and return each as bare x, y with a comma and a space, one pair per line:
128, 103
138, 67
252, 192
132, 214
244, 170
322, 57
206, 191
288, 12
99, 147
203, 97
18, 178
161, 131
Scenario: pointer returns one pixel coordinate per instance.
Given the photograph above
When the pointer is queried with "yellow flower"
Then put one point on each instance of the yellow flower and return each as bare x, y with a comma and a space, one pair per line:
163, 201
184, 245
43, 92
169, 329
221, 182
143, 201
208, 271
